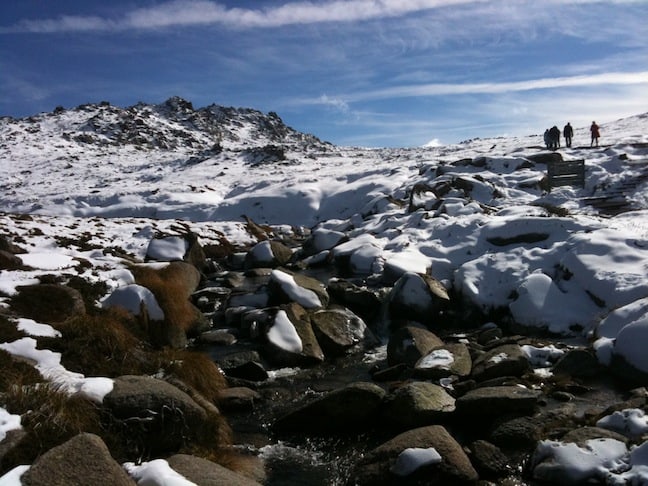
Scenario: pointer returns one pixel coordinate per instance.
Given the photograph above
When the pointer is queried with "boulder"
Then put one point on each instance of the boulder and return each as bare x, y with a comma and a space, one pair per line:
578, 363
185, 248
505, 360
9, 440
340, 330
410, 343
377, 466
245, 365
84, 459
497, 400
9, 261
237, 398
291, 340
48, 303
516, 433
417, 297
361, 300
153, 412
286, 286
545, 157
582, 434
416, 404
350, 409
268, 254
489, 460
322, 239
452, 359
207, 473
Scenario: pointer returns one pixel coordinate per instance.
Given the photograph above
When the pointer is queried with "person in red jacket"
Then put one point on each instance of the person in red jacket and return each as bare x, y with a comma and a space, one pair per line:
595, 133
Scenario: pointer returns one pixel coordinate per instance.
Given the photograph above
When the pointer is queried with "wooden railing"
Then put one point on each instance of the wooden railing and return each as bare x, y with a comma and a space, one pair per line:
566, 173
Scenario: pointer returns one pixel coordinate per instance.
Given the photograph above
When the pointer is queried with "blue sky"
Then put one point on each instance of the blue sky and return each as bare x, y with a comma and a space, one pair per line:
355, 72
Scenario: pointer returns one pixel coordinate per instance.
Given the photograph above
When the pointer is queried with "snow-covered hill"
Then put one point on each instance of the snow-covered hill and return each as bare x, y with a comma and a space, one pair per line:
215, 164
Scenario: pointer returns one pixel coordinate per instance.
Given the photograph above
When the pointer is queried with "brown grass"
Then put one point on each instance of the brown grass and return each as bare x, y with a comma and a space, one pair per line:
50, 417
8, 331
103, 344
15, 371
194, 369
171, 293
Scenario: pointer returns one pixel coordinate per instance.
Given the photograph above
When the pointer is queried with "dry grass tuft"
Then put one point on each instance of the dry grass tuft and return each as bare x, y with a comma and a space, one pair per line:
103, 344
172, 290
50, 417
194, 369
15, 371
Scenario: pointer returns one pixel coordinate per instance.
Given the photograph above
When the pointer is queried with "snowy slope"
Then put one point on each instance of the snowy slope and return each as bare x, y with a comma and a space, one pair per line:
83, 188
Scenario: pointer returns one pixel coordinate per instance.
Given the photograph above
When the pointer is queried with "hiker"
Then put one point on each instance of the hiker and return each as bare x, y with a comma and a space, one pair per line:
547, 139
595, 133
568, 133
554, 137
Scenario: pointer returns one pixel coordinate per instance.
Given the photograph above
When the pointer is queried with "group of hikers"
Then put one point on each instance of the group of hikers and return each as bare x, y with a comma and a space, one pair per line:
552, 136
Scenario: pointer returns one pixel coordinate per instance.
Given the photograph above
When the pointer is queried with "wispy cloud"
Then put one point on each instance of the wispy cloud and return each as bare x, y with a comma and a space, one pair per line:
205, 12
439, 89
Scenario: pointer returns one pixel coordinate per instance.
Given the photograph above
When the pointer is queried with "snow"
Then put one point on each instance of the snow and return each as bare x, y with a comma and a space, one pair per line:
33, 328
481, 224
600, 461
630, 422
12, 478
415, 458
48, 363
306, 298
440, 358
8, 422
132, 297
155, 473
542, 357
167, 249
283, 334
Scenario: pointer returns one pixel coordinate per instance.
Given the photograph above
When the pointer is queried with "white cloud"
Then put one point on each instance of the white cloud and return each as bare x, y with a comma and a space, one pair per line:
336, 103
203, 12
439, 89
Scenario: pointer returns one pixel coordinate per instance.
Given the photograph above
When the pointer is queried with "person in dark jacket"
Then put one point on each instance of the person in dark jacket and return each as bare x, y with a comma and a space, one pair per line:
595, 133
568, 133
554, 136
